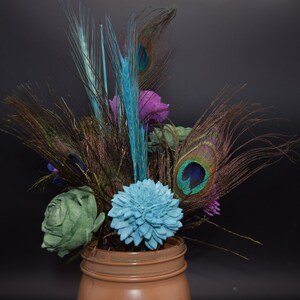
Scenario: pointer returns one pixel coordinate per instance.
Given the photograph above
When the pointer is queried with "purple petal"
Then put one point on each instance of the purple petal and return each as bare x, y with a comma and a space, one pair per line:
151, 109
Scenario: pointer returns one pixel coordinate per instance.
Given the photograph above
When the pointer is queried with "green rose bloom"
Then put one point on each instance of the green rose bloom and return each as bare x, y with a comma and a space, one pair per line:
169, 132
70, 220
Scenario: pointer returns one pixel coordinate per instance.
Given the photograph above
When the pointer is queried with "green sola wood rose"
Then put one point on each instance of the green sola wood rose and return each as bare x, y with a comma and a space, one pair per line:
170, 132
70, 220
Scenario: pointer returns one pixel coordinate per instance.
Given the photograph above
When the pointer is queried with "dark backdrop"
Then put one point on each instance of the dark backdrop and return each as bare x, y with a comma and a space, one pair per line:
215, 43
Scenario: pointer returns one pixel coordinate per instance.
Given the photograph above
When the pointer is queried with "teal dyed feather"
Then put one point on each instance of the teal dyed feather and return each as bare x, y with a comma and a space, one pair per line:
126, 74
104, 63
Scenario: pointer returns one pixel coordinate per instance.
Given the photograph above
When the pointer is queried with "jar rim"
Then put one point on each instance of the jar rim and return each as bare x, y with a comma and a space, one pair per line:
175, 248
135, 266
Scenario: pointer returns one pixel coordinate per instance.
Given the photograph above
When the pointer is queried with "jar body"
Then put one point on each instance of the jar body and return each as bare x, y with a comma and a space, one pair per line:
151, 275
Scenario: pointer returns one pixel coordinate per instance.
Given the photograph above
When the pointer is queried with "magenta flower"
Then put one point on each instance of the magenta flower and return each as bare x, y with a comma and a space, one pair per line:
151, 109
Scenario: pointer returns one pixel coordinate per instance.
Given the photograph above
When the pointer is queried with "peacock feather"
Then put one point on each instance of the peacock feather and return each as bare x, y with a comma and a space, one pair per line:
152, 62
196, 170
221, 151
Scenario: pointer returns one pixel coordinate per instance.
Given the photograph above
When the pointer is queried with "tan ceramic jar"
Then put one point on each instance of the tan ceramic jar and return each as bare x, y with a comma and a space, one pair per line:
150, 275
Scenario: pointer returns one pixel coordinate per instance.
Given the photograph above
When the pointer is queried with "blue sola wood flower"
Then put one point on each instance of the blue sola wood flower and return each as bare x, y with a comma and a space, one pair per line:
145, 211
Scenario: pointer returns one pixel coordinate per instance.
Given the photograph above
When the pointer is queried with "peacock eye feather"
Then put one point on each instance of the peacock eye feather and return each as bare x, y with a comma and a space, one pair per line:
143, 58
192, 177
195, 171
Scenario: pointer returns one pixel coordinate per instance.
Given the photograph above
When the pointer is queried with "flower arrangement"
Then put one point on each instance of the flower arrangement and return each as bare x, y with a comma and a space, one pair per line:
130, 178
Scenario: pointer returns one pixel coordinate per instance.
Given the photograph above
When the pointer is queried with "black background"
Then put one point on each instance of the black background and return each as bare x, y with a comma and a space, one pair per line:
215, 43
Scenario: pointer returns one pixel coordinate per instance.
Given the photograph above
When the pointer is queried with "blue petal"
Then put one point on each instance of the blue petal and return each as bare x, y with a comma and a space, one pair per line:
113, 223
174, 203
157, 221
144, 228
151, 244
125, 233
131, 220
149, 216
128, 240
169, 233
137, 214
149, 233
157, 238
137, 238
175, 212
114, 212
170, 222
161, 230
127, 214
140, 221
121, 224
119, 201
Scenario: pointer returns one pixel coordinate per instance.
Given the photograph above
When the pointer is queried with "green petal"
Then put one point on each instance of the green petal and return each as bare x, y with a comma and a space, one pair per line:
168, 131
81, 237
99, 221
62, 253
51, 240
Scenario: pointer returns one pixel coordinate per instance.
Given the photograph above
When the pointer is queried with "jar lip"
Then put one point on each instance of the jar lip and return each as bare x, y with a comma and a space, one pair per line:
177, 248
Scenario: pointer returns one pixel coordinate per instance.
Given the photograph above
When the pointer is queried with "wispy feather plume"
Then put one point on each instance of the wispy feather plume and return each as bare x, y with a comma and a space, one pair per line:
84, 40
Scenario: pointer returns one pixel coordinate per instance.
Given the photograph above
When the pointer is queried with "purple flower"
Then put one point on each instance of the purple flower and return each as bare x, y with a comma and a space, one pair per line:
151, 109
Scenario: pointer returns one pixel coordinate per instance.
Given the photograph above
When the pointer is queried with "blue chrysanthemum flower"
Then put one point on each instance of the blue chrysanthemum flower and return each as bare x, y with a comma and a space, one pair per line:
145, 211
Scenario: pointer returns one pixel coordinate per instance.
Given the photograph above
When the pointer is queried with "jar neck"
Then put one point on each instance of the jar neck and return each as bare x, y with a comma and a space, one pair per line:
135, 266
